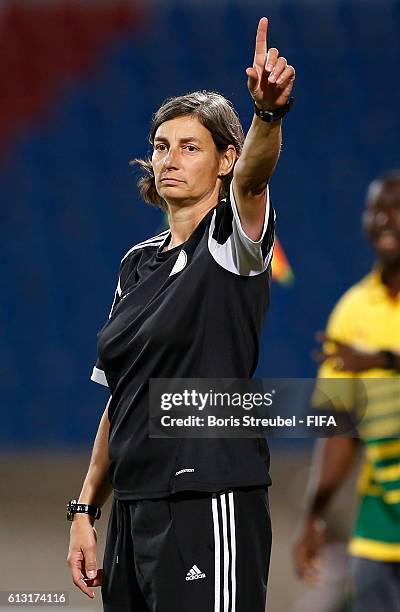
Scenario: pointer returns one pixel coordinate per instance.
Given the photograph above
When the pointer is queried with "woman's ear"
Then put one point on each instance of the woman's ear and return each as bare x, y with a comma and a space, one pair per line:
227, 161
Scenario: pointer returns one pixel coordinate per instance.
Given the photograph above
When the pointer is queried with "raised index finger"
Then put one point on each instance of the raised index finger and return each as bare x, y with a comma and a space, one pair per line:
261, 43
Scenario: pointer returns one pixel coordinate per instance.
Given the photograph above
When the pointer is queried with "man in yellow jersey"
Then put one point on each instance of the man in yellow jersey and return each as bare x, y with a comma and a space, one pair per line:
362, 341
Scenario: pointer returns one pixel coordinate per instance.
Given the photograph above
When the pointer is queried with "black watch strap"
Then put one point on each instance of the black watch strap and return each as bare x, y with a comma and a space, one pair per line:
74, 507
390, 359
270, 116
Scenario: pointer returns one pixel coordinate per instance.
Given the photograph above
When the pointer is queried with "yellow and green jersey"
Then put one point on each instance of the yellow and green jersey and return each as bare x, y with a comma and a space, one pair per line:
368, 318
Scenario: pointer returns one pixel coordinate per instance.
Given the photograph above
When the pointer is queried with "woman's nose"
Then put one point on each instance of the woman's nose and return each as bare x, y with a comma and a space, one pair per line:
171, 159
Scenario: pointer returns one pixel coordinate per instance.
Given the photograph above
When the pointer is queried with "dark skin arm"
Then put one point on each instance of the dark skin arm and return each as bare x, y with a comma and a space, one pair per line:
346, 358
332, 461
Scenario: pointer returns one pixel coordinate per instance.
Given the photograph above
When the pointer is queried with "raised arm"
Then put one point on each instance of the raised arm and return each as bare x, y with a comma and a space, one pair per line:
270, 83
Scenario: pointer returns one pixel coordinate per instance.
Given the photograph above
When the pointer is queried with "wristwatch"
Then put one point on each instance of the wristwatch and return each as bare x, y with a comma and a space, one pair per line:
74, 507
390, 360
270, 116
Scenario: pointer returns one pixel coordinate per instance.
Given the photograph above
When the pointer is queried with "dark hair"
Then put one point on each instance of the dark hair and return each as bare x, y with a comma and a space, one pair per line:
213, 111
387, 179
390, 176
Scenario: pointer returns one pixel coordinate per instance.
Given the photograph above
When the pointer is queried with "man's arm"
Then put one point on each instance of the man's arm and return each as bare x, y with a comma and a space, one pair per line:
270, 83
332, 461
346, 358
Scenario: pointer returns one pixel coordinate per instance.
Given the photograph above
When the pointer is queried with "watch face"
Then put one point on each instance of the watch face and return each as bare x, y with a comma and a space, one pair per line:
70, 513
73, 507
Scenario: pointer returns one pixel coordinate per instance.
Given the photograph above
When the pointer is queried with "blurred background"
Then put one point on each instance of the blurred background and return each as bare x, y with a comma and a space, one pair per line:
80, 80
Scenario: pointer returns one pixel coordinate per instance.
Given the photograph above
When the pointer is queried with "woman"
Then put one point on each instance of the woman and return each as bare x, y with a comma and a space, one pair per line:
189, 527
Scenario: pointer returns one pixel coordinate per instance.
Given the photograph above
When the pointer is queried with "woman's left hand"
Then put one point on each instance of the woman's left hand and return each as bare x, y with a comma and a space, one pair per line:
270, 79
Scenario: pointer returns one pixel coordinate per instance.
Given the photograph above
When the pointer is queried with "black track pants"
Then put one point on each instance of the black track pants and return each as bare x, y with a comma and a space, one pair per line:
191, 552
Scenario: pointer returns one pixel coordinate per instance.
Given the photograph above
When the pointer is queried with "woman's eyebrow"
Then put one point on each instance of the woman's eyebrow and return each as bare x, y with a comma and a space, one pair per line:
186, 139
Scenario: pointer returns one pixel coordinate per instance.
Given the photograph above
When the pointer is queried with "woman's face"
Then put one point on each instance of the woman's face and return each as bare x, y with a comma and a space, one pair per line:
186, 162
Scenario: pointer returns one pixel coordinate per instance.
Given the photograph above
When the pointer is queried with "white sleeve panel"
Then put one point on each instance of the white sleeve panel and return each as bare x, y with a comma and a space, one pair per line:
117, 295
239, 253
99, 377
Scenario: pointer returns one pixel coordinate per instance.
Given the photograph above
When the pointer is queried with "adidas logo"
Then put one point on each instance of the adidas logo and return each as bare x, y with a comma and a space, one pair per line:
194, 574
